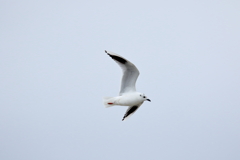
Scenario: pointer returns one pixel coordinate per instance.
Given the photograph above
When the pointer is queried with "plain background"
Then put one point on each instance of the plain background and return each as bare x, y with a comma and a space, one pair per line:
54, 73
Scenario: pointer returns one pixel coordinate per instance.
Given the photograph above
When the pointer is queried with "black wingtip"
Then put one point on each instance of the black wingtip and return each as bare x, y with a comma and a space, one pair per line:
130, 111
107, 53
119, 59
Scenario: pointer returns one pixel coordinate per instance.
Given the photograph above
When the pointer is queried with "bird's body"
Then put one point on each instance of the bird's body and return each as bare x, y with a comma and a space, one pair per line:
129, 99
128, 95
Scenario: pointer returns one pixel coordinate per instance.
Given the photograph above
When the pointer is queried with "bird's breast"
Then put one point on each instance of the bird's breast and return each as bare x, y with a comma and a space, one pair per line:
129, 100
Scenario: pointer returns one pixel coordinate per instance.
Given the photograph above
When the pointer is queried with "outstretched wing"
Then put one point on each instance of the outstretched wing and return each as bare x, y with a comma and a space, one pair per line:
130, 111
130, 73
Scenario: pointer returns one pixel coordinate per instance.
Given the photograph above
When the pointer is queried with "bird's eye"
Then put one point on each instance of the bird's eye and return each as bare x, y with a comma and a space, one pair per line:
144, 97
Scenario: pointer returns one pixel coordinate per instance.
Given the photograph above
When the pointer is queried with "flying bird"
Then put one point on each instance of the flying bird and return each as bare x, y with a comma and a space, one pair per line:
128, 95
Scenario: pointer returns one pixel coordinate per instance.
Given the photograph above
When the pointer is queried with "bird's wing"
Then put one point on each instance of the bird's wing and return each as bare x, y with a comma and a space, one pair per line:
130, 111
130, 73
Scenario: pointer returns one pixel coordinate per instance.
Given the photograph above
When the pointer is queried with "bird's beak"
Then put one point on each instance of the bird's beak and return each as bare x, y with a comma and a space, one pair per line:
148, 100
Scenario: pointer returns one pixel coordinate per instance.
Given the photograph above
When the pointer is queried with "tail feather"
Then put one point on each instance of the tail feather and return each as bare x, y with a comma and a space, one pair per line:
109, 101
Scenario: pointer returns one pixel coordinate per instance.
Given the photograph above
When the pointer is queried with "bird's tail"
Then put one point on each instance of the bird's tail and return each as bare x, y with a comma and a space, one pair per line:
109, 101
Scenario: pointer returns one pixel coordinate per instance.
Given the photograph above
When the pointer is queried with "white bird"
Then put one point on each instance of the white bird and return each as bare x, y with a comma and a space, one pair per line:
128, 95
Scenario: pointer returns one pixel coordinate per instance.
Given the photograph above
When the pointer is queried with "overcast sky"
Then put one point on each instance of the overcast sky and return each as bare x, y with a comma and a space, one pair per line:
54, 73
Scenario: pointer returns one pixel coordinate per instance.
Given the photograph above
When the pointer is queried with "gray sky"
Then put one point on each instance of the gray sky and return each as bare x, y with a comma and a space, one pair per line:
54, 73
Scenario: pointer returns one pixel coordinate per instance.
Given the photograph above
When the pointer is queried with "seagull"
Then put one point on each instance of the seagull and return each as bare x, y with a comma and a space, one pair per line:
128, 95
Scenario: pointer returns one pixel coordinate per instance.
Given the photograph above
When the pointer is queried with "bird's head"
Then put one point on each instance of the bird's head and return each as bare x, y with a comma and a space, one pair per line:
144, 97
